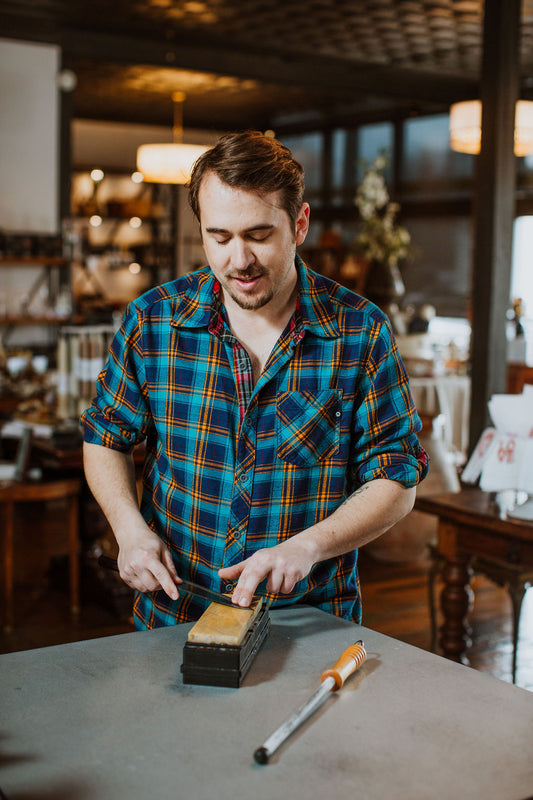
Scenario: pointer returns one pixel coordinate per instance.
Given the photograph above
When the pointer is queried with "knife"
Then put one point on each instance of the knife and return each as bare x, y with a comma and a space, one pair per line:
186, 586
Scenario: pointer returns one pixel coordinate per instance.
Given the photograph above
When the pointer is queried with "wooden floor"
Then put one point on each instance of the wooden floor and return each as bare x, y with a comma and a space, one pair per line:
394, 603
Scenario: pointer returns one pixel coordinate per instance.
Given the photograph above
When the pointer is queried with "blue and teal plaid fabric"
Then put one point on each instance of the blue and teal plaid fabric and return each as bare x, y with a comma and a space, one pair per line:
331, 411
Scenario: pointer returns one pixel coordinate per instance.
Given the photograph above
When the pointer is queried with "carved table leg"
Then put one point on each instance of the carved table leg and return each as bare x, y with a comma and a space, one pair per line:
456, 602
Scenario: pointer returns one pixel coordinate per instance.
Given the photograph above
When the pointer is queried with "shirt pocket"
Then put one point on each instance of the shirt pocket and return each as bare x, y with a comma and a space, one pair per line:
308, 426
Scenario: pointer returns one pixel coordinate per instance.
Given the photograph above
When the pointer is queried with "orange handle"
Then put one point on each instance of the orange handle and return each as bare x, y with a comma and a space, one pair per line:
353, 657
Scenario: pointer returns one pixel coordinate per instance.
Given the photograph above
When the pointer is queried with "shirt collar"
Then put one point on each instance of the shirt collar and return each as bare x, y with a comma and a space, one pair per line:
194, 305
316, 308
198, 302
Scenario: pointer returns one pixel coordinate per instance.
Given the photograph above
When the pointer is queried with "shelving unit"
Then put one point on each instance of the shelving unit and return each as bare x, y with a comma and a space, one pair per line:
119, 240
54, 272
116, 223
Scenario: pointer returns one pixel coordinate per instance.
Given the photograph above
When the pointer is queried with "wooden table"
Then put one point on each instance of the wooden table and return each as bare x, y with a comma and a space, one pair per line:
471, 524
111, 719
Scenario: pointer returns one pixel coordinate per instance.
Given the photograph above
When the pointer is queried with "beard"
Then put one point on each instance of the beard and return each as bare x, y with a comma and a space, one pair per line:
253, 302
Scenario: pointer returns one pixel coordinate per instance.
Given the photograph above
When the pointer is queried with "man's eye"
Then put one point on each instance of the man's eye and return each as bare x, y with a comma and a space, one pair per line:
222, 241
260, 238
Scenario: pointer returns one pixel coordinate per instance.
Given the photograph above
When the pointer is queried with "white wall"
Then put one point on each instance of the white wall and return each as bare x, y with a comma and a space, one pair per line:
29, 133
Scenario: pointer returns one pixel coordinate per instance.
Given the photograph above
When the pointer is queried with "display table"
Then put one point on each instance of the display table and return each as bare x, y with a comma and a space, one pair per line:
110, 719
471, 524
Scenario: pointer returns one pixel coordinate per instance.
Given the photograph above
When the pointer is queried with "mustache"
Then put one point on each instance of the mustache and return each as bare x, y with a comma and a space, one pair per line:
247, 274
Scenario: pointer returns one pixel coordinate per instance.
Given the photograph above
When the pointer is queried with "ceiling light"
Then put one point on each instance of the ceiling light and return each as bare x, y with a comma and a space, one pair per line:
170, 163
465, 127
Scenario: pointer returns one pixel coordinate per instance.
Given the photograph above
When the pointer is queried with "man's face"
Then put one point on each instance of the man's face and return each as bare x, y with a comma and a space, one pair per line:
250, 242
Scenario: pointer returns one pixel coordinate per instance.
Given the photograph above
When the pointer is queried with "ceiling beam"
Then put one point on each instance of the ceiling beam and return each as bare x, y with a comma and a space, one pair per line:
230, 58
208, 54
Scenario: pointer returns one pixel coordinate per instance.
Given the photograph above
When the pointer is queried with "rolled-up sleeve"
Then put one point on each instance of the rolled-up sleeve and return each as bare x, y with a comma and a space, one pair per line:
118, 417
386, 421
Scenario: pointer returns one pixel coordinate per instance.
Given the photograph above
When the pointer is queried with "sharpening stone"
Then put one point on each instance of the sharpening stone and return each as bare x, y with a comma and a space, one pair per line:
220, 663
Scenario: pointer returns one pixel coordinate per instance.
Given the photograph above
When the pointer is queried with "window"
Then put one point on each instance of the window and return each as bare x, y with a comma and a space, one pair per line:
521, 271
439, 270
308, 149
373, 140
430, 167
351, 150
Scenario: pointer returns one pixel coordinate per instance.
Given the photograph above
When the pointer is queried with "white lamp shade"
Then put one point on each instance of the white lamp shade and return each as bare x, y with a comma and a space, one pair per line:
168, 163
465, 127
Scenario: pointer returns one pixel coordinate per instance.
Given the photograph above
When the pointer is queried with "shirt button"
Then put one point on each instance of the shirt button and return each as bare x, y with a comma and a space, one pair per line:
337, 413
243, 477
229, 587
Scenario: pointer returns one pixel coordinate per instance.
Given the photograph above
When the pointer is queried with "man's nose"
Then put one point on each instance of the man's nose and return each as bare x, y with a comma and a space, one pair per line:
242, 255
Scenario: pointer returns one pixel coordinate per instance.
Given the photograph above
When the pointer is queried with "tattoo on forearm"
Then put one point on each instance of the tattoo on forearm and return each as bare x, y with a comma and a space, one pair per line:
360, 490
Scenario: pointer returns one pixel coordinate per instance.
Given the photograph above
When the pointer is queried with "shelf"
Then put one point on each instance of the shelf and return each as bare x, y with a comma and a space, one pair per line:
32, 261
118, 217
40, 320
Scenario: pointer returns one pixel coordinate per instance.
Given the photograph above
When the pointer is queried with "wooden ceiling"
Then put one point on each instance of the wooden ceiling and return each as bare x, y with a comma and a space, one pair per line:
264, 63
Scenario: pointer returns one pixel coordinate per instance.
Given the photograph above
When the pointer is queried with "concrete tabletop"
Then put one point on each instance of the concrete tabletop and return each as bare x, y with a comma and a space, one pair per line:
110, 718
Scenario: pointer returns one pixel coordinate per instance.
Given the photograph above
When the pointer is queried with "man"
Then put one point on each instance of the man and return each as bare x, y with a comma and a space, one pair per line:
280, 431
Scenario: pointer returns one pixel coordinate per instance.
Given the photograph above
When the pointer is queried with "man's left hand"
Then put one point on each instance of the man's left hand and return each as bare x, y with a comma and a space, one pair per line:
284, 565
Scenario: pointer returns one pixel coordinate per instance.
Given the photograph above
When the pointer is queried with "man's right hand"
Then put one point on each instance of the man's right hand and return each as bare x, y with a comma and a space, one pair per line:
146, 564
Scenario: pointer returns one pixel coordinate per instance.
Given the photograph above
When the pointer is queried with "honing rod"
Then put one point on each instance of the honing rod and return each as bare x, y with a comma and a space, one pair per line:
332, 679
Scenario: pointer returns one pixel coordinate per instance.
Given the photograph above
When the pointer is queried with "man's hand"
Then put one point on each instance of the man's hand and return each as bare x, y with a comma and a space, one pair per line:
284, 565
146, 564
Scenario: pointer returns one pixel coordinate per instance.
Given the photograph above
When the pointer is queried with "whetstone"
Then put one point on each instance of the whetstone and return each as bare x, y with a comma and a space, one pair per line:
224, 625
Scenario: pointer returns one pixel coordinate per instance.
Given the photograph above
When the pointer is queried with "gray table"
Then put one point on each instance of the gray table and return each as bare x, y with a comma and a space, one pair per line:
111, 719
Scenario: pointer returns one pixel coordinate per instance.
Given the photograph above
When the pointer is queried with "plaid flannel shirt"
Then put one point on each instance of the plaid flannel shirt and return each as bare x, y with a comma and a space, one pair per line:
230, 467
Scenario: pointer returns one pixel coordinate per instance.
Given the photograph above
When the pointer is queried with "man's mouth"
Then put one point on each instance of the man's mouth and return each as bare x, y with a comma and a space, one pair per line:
247, 281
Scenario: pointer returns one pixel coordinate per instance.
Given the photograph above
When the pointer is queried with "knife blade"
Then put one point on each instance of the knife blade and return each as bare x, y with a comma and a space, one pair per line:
186, 586
207, 594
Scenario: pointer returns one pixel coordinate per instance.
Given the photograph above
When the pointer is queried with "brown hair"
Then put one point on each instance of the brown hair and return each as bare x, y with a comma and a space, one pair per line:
253, 162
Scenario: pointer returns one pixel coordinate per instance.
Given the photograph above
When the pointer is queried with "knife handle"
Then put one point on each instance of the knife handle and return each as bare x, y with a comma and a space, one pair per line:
353, 657
108, 563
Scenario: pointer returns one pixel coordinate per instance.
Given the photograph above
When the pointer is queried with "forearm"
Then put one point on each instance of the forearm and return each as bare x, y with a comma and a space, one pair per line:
366, 514
144, 561
111, 478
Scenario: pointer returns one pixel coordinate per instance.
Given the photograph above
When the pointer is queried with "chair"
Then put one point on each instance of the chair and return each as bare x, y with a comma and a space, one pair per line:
506, 574
29, 492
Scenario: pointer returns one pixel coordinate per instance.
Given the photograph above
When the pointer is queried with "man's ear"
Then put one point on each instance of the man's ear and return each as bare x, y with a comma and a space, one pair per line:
302, 223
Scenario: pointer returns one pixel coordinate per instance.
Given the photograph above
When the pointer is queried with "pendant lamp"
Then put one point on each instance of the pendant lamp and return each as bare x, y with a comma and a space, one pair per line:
170, 162
465, 127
